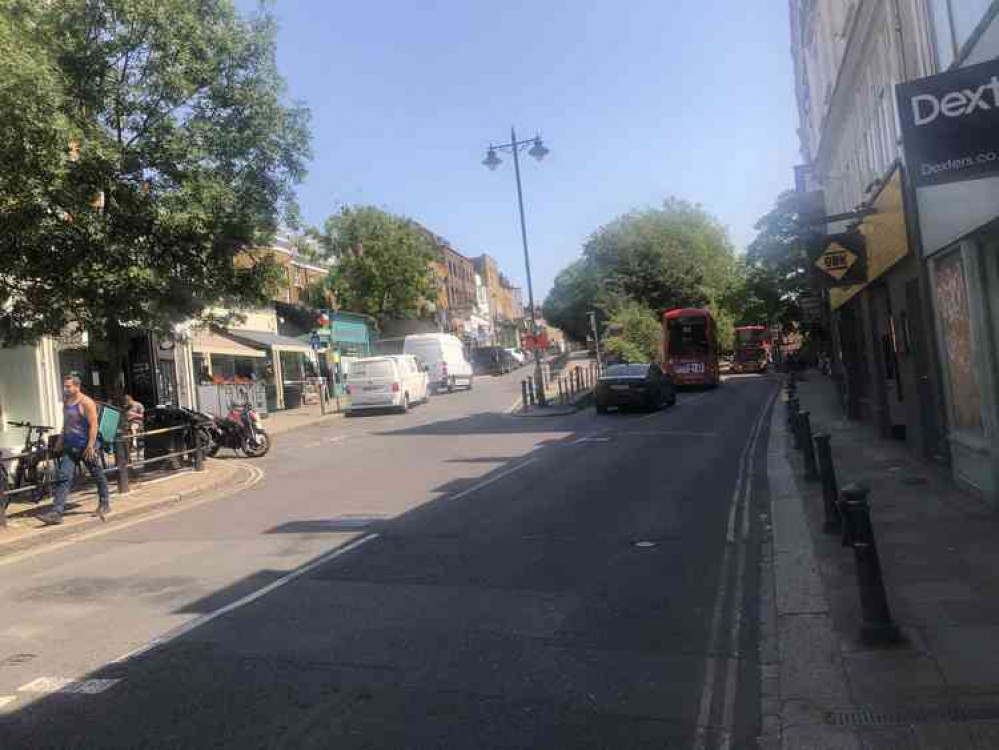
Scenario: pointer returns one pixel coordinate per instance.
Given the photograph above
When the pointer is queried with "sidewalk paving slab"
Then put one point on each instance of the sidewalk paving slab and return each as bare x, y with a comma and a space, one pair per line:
26, 531
940, 555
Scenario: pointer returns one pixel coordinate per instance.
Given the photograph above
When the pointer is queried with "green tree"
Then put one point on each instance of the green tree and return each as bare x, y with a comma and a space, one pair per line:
573, 295
382, 262
635, 334
676, 255
777, 268
147, 145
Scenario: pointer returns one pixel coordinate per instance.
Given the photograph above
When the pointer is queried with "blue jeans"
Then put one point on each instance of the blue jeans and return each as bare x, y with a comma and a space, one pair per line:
66, 468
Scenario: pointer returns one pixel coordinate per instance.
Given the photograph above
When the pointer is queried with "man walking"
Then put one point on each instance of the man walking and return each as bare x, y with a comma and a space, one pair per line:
79, 443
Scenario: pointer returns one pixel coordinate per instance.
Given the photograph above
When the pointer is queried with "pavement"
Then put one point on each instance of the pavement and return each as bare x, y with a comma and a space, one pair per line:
823, 687
151, 492
448, 578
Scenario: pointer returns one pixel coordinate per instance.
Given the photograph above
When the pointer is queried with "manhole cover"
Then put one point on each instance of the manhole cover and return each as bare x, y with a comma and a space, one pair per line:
645, 544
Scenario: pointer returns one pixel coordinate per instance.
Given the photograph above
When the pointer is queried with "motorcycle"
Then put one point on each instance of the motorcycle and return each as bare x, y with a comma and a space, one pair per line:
241, 429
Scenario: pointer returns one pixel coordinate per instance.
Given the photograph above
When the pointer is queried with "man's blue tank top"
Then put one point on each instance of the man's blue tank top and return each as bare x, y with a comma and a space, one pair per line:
75, 427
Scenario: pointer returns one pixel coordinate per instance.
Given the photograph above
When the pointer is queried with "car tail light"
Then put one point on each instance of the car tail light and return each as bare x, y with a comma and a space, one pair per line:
395, 388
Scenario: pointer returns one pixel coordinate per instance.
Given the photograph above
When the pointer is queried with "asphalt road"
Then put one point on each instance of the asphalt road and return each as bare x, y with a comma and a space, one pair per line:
451, 578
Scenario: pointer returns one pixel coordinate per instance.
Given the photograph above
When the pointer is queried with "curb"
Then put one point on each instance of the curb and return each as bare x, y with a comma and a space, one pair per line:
803, 676
65, 533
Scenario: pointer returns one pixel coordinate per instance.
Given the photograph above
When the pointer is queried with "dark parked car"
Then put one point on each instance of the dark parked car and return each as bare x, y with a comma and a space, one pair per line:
493, 360
643, 385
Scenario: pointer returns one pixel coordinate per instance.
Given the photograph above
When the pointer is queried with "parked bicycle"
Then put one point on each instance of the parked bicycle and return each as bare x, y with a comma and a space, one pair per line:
32, 467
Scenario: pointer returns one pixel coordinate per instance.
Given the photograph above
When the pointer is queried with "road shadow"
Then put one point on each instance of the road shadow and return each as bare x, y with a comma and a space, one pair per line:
512, 609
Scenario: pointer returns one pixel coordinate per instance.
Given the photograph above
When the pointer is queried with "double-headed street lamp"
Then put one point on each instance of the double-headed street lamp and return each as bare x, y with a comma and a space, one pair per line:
536, 149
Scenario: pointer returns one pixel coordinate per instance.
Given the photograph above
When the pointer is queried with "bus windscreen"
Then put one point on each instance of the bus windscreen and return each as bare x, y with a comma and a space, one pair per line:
688, 337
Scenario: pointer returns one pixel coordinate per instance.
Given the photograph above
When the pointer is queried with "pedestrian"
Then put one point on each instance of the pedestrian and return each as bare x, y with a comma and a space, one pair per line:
135, 416
78, 442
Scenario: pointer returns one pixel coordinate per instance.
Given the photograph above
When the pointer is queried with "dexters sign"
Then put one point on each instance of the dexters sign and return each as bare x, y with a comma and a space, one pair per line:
950, 124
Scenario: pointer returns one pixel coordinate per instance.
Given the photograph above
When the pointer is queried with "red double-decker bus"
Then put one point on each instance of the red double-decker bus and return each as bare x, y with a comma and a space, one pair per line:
690, 347
752, 349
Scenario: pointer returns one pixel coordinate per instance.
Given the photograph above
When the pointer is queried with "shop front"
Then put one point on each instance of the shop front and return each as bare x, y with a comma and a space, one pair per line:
951, 153
883, 332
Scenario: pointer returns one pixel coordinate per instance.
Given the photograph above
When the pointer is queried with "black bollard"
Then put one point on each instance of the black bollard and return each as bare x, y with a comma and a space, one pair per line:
523, 395
830, 489
561, 392
796, 430
878, 626
792, 411
199, 452
121, 449
807, 446
530, 390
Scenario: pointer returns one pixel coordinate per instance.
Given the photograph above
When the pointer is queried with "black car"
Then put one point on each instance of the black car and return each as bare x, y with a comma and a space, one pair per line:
643, 385
493, 360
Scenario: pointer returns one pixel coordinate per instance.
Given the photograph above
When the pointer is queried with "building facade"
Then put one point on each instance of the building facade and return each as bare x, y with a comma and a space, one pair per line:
916, 341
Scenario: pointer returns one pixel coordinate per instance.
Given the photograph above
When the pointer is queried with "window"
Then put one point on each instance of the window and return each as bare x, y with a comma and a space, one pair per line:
954, 21
955, 330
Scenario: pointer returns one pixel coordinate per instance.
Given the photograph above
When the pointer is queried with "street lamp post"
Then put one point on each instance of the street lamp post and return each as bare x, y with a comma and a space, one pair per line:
492, 161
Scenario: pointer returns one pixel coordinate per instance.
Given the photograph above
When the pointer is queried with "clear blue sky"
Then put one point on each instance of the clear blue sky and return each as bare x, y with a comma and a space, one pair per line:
637, 100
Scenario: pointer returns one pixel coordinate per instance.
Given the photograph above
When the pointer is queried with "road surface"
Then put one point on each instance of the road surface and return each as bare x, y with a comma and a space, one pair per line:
455, 577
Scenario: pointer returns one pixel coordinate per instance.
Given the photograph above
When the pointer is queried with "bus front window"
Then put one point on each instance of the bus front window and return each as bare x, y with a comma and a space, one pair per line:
688, 339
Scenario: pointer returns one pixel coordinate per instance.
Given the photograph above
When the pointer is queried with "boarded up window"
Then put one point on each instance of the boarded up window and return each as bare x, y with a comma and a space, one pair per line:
955, 327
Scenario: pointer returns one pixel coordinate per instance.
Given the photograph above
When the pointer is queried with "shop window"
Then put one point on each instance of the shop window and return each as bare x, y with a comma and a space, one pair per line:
956, 335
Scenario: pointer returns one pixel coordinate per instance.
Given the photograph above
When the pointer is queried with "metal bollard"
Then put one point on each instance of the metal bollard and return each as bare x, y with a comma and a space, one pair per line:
199, 452
530, 390
523, 395
796, 430
322, 399
121, 461
792, 411
808, 447
878, 626
830, 490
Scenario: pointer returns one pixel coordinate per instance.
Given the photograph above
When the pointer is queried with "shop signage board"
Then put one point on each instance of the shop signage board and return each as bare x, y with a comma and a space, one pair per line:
841, 260
950, 124
950, 130
886, 240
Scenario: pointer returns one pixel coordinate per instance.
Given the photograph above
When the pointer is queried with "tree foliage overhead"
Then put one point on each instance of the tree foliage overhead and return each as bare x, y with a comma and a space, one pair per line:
634, 334
382, 262
676, 255
776, 271
147, 144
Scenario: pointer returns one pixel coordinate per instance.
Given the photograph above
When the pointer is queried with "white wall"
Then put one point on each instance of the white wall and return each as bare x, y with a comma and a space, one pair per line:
23, 391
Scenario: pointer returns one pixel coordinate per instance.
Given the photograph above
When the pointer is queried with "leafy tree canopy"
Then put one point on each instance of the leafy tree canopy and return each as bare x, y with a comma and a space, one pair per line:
382, 262
147, 145
634, 334
676, 255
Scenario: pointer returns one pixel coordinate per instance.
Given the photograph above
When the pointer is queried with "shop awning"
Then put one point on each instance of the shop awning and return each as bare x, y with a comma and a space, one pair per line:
210, 342
270, 340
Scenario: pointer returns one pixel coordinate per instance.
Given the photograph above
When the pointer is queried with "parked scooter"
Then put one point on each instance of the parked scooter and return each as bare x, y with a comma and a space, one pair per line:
241, 429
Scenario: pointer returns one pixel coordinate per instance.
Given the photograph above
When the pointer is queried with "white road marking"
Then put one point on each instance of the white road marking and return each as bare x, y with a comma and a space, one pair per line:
6, 700
65, 685
739, 495
197, 622
590, 440
491, 480
676, 433
336, 439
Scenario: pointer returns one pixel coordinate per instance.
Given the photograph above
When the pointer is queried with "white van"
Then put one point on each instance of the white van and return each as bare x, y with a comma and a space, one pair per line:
392, 382
444, 356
